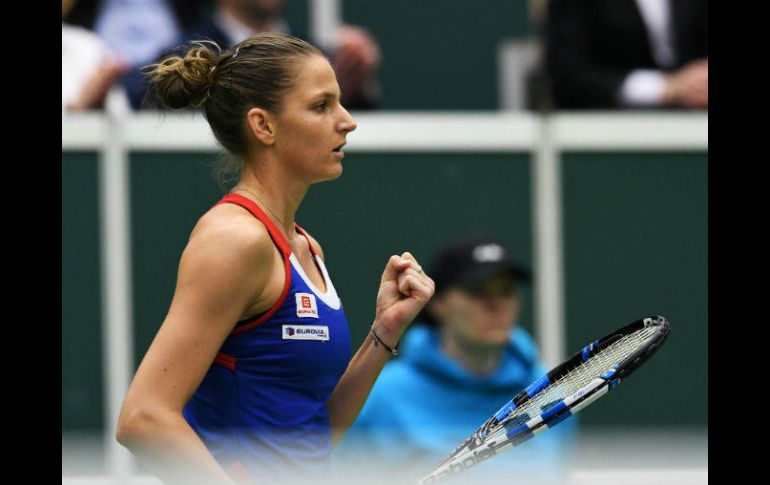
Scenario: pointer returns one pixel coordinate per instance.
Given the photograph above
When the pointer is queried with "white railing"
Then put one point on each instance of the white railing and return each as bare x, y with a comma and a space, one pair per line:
544, 137
422, 132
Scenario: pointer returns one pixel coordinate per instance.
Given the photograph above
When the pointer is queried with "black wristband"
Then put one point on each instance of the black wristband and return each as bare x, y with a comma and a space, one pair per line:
378, 340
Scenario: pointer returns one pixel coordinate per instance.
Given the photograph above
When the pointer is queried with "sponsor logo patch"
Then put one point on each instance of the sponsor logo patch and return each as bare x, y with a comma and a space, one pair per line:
306, 305
305, 332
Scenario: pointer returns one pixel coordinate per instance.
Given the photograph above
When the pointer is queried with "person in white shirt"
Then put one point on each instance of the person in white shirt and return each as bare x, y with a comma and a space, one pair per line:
90, 73
628, 53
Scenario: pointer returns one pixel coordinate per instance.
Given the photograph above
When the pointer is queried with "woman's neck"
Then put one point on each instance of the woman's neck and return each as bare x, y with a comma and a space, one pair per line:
280, 195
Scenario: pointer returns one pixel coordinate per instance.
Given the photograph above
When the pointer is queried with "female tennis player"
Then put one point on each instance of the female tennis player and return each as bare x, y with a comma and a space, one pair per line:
249, 376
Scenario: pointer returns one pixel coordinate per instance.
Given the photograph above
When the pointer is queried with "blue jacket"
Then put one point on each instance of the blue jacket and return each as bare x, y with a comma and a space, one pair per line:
424, 404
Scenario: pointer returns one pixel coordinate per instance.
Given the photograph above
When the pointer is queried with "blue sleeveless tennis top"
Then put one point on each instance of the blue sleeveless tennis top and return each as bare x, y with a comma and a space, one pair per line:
261, 408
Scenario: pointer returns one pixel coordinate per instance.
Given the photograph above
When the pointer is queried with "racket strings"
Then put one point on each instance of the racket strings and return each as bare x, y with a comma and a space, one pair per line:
579, 377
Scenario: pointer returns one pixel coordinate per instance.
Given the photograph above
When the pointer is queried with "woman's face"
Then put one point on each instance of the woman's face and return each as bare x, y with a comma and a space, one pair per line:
312, 123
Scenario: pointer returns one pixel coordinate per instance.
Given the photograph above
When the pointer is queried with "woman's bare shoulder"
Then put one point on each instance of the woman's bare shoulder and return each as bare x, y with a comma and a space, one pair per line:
228, 226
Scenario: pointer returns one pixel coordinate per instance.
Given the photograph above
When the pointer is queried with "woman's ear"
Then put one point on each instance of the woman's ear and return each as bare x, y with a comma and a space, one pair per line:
261, 125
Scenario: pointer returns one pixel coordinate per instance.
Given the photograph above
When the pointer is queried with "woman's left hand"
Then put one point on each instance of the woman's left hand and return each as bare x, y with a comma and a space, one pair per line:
404, 291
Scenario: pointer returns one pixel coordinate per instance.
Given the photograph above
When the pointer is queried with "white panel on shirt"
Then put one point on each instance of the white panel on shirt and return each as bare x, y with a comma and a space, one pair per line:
644, 87
657, 18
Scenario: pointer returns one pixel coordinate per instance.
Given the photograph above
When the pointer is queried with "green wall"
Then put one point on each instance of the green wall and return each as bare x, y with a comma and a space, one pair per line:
81, 359
635, 244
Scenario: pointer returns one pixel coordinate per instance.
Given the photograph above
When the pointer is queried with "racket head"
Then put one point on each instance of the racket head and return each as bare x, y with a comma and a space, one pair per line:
600, 367
659, 328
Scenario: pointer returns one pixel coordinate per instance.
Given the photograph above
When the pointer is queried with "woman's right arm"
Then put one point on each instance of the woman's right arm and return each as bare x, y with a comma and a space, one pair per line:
224, 268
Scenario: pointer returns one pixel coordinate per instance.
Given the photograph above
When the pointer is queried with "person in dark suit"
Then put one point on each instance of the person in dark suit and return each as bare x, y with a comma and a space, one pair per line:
355, 59
627, 53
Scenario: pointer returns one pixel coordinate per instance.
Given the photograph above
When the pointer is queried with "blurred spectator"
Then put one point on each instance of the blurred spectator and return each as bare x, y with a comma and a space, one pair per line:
628, 53
90, 73
355, 59
137, 30
464, 363
187, 13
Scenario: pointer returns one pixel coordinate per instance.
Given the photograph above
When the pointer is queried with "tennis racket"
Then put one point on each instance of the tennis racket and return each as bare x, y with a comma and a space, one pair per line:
565, 390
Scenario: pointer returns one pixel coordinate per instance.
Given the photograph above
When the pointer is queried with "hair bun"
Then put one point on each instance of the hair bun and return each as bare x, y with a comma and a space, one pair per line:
181, 82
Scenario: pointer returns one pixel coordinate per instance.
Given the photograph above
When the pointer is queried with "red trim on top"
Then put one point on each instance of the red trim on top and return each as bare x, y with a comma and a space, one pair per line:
315, 256
279, 241
276, 305
302, 231
225, 361
250, 319
252, 207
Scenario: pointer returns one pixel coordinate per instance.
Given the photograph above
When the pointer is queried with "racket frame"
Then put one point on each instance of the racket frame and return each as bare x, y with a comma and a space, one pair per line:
483, 444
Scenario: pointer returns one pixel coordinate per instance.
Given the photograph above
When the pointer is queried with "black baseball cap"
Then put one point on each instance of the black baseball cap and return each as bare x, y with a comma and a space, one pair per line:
469, 261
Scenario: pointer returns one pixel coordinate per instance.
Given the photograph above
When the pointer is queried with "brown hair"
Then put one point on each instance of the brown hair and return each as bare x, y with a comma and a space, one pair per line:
226, 85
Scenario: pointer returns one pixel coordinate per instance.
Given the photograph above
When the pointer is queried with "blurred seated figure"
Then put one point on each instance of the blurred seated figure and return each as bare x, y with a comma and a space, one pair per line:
465, 357
627, 53
90, 72
355, 59
137, 30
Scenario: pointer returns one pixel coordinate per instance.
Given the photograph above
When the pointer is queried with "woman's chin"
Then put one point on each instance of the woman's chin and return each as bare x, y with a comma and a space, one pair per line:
334, 173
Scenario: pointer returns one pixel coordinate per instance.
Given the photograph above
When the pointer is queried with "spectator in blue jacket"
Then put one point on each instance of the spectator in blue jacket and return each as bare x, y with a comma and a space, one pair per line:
467, 359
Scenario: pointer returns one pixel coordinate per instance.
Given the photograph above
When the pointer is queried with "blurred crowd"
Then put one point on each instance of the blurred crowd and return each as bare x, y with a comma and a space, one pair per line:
596, 54
105, 44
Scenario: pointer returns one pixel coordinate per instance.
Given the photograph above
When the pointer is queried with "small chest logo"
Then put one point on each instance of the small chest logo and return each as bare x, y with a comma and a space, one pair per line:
306, 332
306, 305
